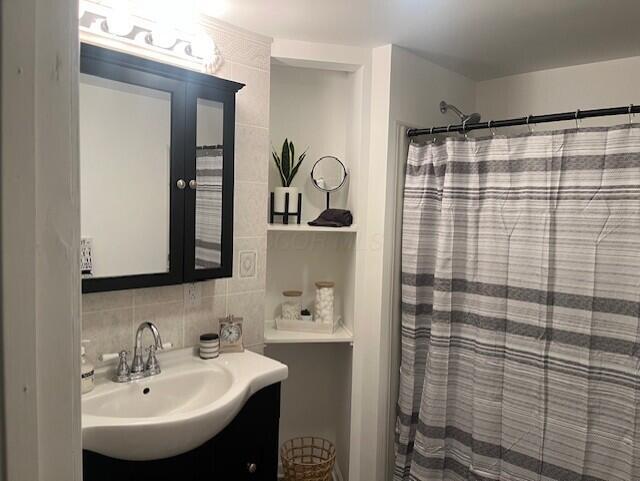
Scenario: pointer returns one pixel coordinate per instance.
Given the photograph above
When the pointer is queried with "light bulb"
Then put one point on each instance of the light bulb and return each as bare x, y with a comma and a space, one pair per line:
163, 36
119, 23
203, 47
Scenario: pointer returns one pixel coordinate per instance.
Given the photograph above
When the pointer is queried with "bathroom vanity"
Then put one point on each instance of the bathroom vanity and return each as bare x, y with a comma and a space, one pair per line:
247, 449
214, 420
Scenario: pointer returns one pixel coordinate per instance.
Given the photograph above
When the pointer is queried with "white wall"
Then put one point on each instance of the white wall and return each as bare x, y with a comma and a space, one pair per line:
418, 86
596, 85
310, 108
125, 139
40, 240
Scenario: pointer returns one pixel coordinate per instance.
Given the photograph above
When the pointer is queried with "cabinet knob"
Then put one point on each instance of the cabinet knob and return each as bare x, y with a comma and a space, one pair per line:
252, 467
193, 184
181, 184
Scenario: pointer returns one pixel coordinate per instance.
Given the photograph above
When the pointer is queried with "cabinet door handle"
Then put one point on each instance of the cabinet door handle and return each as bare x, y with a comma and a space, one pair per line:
193, 184
252, 467
181, 184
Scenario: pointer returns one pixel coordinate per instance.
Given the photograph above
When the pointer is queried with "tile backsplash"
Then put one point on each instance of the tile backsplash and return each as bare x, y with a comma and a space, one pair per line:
183, 312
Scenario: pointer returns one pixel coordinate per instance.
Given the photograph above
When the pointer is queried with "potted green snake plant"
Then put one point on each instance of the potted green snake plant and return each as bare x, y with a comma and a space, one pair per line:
287, 166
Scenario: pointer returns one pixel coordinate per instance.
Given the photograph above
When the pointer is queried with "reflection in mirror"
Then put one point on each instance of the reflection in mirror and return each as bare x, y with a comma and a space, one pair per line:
125, 140
328, 173
209, 184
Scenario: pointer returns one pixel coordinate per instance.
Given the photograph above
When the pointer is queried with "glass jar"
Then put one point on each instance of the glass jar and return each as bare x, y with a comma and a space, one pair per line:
324, 302
291, 305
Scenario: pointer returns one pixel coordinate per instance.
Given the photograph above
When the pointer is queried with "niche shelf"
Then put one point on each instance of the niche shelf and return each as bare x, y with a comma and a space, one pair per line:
278, 336
309, 228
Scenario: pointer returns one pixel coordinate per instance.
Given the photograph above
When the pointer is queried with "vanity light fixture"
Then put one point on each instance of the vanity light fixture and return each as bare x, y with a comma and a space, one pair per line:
101, 23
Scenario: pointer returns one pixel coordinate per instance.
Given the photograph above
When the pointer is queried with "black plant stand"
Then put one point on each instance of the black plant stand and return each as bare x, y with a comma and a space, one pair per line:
286, 214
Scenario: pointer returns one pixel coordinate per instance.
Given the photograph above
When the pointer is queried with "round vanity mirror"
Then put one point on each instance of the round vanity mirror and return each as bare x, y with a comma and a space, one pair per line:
328, 173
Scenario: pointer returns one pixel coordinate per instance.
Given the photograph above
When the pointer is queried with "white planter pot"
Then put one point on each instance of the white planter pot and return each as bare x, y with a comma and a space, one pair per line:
279, 199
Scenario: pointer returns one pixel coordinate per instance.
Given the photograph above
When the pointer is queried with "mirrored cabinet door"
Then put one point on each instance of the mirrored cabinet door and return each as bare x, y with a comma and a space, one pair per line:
211, 182
125, 176
208, 183
131, 160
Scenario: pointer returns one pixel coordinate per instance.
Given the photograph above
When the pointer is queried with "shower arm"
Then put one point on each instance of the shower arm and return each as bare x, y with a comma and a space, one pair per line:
445, 107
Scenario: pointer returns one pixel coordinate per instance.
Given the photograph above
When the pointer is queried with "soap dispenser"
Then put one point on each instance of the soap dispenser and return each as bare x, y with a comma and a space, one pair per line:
88, 373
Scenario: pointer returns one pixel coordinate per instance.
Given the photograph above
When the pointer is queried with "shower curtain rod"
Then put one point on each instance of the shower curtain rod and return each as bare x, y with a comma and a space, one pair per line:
529, 120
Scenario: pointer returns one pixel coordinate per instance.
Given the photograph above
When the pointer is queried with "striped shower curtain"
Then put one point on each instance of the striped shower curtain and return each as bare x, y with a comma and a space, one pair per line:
521, 309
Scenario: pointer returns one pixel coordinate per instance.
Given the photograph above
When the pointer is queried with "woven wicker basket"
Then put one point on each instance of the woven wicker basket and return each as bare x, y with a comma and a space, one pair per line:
308, 459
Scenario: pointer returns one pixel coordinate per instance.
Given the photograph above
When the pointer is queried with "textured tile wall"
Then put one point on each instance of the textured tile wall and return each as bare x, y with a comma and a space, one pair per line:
109, 319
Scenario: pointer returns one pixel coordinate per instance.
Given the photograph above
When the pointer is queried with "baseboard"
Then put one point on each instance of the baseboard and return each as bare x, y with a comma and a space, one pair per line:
337, 474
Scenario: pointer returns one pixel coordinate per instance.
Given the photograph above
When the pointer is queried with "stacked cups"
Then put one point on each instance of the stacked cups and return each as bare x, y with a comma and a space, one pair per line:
209, 346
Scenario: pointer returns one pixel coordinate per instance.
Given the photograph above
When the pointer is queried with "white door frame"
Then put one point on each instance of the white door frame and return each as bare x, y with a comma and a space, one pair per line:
40, 229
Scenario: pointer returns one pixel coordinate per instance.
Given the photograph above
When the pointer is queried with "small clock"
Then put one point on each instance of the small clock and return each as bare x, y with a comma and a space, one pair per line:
231, 334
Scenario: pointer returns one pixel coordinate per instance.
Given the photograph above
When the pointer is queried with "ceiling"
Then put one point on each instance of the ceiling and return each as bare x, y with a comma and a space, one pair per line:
481, 39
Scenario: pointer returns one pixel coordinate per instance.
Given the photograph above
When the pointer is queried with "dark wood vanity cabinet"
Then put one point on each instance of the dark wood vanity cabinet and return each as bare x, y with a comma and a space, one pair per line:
246, 450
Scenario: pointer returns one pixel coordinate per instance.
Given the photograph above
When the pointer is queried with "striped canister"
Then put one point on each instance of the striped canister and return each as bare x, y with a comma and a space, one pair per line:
209, 346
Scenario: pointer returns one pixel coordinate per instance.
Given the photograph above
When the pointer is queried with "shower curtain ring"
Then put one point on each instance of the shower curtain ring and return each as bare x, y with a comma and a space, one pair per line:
491, 129
433, 141
631, 114
577, 119
529, 125
448, 128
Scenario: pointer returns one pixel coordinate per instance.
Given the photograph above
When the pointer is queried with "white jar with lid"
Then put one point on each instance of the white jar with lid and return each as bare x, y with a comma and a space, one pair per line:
324, 302
291, 305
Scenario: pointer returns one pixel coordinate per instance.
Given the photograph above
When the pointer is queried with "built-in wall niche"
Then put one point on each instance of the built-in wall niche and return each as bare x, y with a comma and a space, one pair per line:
319, 109
316, 109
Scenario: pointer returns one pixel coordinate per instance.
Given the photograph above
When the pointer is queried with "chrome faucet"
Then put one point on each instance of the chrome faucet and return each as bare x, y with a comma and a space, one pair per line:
139, 368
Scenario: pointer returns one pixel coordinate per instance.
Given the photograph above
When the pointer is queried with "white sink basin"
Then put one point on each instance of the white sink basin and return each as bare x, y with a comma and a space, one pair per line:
191, 401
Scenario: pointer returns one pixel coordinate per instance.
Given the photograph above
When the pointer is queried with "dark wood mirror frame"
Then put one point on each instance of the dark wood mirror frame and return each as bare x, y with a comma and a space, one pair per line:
185, 87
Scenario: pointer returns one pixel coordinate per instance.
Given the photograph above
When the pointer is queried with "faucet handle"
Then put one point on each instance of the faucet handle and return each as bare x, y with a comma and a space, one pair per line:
123, 373
152, 367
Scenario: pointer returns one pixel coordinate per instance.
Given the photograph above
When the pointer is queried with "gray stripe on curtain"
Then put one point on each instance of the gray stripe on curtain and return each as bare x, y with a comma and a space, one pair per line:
521, 309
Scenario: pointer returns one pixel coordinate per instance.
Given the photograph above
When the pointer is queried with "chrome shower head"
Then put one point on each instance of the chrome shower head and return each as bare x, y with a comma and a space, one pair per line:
473, 118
